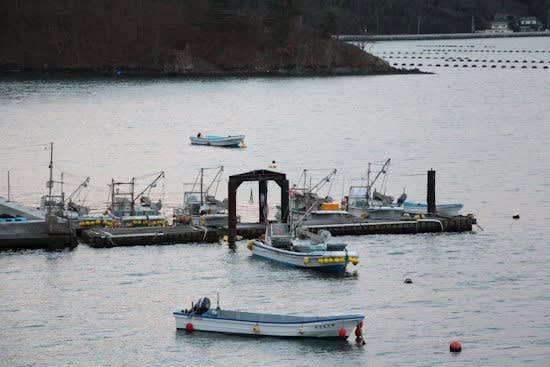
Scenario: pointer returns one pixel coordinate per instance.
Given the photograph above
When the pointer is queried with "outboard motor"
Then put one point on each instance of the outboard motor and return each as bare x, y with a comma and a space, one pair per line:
401, 199
202, 305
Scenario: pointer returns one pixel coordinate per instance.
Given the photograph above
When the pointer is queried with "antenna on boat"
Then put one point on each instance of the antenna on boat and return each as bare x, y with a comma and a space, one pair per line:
217, 300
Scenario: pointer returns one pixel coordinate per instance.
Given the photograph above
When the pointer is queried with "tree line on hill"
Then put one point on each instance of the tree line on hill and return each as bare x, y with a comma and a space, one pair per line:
231, 33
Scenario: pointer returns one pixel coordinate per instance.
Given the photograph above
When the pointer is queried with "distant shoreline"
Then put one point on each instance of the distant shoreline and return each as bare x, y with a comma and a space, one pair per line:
144, 73
439, 36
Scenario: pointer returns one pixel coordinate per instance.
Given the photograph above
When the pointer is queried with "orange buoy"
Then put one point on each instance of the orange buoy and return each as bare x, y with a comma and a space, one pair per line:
342, 333
189, 327
455, 346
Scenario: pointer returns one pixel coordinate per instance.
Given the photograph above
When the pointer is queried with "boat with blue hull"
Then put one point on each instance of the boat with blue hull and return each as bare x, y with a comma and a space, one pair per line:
202, 318
446, 210
230, 141
302, 249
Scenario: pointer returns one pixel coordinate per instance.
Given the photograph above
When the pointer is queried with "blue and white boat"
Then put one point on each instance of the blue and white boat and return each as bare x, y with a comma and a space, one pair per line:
302, 249
202, 318
230, 141
446, 210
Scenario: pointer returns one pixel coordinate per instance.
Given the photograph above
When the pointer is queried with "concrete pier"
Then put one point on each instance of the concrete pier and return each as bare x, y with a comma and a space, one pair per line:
439, 36
33, 229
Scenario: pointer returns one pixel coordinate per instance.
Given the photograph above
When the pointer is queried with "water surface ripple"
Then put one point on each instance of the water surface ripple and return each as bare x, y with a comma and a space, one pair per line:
486, 132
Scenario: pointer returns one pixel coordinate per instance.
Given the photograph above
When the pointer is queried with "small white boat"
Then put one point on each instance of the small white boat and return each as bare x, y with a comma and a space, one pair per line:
231, 141
306, 250
202, 318
446, 210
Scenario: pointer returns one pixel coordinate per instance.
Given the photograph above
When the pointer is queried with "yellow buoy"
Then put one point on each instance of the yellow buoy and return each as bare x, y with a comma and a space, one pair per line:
306, 260
355, 261
225, 238
250, 244
256, 328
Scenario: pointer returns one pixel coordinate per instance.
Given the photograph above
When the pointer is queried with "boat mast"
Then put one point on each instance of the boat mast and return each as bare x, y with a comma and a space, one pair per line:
133, 202
8, 185
50, 182
368, 183
112, 195
202, 174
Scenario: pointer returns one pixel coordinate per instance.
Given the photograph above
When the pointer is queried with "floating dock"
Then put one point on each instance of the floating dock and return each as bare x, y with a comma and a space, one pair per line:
459, 223
112, 237
426, 225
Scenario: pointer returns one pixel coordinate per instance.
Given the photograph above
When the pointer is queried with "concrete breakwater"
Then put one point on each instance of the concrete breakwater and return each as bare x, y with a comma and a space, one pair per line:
442, 36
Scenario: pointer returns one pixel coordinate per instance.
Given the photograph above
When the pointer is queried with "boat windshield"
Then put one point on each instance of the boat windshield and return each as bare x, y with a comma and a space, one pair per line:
192, 197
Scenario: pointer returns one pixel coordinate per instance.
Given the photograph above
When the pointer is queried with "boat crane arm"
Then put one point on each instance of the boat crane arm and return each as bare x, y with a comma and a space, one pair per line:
220, 170
79, 188
323, 181
151, 185
317, 186
382, 170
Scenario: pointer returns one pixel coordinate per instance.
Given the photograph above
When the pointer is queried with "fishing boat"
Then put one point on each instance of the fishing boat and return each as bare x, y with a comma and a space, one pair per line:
359, 204
200, 207
230, 141
302, 249
132, 210
323, 209
203, 318
24, 227
364, 203
446, 210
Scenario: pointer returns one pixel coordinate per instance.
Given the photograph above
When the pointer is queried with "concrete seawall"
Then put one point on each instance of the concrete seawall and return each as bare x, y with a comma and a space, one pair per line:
445, 36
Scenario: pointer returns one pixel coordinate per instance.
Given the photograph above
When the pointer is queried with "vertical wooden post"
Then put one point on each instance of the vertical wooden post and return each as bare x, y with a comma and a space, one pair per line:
284, 200
431, 192
262, 184
232, 211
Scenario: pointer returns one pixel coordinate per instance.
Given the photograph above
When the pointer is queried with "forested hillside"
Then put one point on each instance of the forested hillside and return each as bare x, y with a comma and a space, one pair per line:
222, 36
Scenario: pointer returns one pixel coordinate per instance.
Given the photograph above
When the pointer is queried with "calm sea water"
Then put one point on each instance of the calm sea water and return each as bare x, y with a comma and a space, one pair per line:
485, 131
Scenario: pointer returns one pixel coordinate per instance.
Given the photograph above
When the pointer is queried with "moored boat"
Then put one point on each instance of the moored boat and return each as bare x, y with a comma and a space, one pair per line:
446, 210
302, 249
202, 318
230, 141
